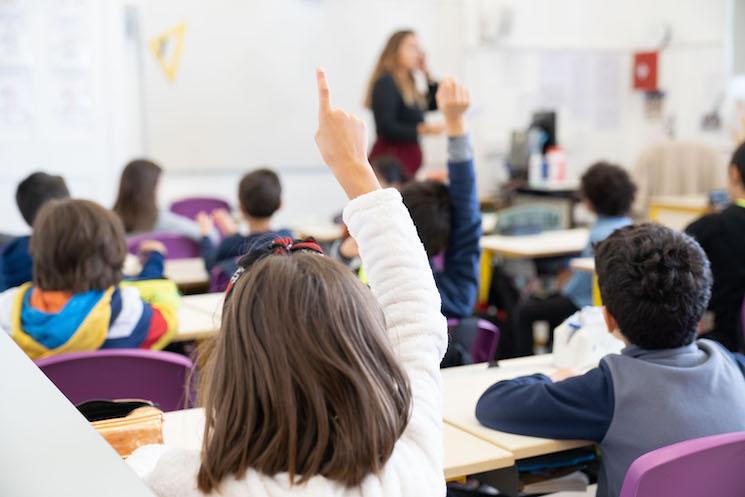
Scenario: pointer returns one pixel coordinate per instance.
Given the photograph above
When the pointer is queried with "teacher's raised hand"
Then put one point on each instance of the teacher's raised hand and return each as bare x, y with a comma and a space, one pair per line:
342, 141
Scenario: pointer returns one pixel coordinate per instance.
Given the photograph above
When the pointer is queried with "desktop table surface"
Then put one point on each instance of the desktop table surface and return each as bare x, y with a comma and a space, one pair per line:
546, 244
463, 387
586, 264
195, 324
464, 453
206, 302
680, 201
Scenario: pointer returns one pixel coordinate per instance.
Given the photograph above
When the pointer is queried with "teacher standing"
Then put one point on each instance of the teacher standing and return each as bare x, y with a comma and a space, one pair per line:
397, 103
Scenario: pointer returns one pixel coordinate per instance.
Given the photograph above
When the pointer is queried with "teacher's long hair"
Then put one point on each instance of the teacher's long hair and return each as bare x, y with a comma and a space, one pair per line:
388, 64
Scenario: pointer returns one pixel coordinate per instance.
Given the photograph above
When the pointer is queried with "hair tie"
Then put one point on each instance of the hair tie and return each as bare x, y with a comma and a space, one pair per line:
277, 246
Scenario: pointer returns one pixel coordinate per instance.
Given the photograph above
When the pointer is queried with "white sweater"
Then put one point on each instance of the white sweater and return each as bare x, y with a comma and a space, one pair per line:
401, 279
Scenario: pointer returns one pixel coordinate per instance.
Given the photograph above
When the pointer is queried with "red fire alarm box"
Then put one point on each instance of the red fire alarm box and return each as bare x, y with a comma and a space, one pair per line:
645, 71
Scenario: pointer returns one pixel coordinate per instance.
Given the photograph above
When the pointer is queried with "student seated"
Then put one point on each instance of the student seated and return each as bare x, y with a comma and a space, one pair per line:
317, 384
665, 386
137, 204
447, 217
722, 236
260, 197
78, 301
32, 193
607, 191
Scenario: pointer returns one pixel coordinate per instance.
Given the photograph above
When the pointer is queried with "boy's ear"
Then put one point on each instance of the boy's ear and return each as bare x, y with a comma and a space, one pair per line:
610, 321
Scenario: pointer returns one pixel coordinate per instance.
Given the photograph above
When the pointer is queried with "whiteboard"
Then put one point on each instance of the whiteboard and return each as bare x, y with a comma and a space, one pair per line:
245, 93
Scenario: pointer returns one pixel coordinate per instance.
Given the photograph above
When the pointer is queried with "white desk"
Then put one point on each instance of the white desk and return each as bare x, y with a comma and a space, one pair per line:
199, 317
584, 264
210, 303
186, 273
464, 386
323, 233
464, 454
194, 324
547, 244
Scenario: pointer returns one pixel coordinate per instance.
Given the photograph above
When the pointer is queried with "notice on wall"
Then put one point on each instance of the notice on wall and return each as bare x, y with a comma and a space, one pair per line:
586, 84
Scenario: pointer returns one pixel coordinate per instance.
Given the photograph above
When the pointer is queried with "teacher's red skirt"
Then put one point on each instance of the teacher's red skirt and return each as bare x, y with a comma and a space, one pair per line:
410, 154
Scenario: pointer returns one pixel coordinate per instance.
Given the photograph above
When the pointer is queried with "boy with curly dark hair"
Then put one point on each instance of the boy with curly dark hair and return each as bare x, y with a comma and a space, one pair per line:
664, 387
608, 191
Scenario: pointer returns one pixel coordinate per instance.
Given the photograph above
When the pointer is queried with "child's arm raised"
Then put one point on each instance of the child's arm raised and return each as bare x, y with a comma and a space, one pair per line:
459, 281
397, 266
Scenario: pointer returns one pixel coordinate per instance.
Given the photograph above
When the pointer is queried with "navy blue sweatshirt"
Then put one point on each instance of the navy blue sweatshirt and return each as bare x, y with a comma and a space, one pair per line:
632, 403
234, 246
15, 263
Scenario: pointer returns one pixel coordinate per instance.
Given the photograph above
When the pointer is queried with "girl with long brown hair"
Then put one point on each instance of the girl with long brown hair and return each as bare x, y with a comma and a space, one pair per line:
137, 203
317, 385
397, 103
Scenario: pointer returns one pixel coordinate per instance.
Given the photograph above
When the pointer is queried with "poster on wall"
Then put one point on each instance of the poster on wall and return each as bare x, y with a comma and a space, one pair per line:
15, 41
69, 35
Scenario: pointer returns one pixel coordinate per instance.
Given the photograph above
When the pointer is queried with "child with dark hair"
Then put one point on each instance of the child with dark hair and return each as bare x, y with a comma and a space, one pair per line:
447, 217
78, 301
608, 192
722, 236
32, 193
664, 387
260, 197
389, 171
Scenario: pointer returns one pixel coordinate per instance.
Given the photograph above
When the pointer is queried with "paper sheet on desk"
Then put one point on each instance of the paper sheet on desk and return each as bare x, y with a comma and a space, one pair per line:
583, 339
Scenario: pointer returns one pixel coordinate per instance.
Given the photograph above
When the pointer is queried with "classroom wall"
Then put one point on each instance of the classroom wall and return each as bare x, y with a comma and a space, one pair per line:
63, 97
575, 56
516, 55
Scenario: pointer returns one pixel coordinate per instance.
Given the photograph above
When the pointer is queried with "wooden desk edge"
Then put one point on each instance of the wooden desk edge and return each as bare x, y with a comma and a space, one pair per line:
555, 445
510, 254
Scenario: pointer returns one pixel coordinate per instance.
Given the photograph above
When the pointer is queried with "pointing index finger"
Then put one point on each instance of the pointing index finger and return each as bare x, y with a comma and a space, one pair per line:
324, 97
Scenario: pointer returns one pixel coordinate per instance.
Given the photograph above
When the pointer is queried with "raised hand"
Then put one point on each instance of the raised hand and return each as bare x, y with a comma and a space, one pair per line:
453, 100
206, 224
225, 222
342, 141
150, 246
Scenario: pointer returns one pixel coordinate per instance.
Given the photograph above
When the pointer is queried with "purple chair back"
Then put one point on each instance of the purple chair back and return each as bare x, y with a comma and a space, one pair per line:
703, 466
481, 345
121, 374
179, 247
190, 207
219, 279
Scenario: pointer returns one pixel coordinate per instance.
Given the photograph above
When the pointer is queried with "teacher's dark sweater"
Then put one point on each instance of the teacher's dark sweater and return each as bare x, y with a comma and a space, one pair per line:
722, 236
395, 121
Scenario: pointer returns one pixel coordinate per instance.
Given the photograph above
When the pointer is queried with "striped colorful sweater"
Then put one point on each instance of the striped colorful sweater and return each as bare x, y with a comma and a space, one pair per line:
135, 314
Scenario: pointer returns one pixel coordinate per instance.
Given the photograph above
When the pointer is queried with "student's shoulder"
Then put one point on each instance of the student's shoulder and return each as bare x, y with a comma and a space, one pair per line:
706, 226
167, 470
385, 82
18, 245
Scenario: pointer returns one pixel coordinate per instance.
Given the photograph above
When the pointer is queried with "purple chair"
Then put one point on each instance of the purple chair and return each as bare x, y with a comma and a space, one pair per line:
179, 247
479, 336
121, 374
190, 207
694, 468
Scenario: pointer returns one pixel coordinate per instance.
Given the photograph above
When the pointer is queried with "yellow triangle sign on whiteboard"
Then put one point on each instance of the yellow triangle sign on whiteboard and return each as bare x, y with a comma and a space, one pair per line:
168, 48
